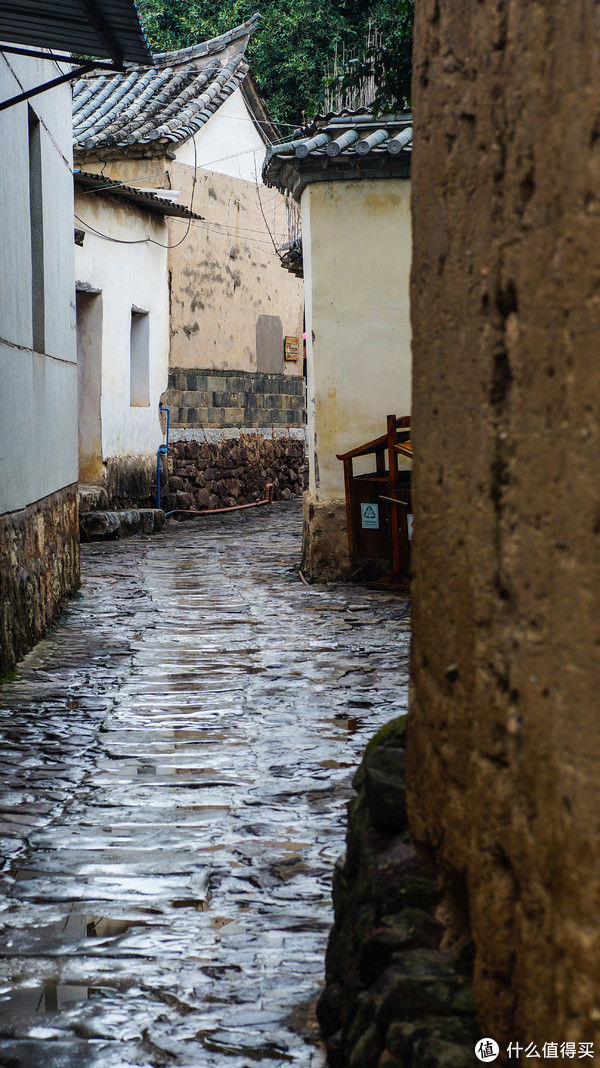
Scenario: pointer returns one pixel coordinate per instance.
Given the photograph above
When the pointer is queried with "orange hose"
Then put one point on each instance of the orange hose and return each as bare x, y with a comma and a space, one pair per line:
232, 508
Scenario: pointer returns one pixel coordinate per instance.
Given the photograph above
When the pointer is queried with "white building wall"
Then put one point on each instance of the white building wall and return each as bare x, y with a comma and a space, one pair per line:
229, 143
128, 276
357, 256
38, 428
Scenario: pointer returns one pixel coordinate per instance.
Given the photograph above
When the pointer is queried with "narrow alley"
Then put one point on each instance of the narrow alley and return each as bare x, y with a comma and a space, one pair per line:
176, 760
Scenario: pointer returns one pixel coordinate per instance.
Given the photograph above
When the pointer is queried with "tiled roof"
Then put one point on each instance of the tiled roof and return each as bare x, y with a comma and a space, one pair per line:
341, 145
98, 185
152, 108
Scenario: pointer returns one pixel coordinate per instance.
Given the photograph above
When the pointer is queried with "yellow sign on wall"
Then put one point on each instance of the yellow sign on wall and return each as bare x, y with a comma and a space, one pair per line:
292, 348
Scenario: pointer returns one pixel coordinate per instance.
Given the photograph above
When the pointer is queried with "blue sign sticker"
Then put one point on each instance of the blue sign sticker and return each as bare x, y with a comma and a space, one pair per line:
369, 515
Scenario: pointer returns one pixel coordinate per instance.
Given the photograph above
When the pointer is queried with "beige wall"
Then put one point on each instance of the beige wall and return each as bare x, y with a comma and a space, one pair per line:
504, 739
225, 276
357, 251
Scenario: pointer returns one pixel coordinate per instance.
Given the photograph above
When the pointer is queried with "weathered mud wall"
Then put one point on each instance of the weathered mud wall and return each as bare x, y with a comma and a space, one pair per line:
229, 296
39, 567
232, 472
504, 739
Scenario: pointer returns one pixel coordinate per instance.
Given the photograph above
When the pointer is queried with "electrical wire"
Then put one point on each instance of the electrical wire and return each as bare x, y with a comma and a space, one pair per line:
38, 116
151, 240
110, 184
182, 239
148, 240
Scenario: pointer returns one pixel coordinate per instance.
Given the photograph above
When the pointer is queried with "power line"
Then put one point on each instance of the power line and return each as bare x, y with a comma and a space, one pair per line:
38, 116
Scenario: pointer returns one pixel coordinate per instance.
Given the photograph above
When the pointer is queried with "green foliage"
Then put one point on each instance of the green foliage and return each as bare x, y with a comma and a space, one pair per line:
389, 60
289, 51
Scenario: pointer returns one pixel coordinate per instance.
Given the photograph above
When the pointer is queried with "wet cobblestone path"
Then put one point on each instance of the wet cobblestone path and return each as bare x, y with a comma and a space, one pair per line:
174, 768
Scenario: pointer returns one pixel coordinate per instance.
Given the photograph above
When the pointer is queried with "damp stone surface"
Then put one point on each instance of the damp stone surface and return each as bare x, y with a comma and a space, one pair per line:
175, 767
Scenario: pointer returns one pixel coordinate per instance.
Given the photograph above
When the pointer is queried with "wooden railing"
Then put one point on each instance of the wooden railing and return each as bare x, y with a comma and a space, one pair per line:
378, 504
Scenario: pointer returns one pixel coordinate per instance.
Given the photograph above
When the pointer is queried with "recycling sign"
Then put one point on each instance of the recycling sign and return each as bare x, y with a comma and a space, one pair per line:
369, 514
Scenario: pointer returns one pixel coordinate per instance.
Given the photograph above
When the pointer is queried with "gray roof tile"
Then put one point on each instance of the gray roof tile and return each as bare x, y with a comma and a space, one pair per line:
98, 185
150, 107
341, 145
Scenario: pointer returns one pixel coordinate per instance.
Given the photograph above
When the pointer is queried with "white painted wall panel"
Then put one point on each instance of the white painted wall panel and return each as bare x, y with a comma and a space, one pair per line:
229, 143
128, 276
38, 428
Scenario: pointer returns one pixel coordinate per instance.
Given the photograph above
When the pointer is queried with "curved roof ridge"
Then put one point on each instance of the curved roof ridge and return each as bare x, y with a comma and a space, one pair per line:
213, 45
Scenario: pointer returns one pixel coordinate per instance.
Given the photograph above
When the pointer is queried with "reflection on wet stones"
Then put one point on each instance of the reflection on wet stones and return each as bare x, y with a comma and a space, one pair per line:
175, 767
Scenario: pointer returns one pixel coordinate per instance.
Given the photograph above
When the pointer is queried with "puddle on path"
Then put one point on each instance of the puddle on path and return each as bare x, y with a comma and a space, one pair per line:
175, 762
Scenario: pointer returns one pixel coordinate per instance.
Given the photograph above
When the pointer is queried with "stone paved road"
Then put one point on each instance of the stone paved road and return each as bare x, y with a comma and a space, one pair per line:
174, 768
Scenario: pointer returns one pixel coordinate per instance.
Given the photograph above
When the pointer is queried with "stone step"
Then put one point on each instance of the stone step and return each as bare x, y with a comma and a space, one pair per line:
91, 498
103, 525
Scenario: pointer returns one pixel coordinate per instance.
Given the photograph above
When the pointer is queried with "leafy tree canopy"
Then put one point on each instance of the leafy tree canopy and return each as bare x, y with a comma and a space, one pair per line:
289, 52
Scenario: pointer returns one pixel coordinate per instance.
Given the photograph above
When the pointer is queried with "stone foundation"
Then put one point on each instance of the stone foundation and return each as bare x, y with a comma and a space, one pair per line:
392, 998
130, 481
249, 399
325, 555
232, 472
39, 568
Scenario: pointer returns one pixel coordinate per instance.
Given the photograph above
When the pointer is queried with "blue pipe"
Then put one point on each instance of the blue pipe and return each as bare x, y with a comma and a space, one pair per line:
162, 450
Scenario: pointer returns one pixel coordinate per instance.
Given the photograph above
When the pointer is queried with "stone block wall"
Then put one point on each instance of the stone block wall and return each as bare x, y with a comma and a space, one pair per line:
504, 737
242, 399
233, 471
39, 568
392, 998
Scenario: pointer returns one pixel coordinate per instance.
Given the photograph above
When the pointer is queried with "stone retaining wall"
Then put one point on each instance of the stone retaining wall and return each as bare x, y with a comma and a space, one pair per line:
393, 998
231, 472
243, 399
39, 568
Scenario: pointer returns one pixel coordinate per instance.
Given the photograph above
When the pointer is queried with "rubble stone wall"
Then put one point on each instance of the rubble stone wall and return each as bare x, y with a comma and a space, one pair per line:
504, 736
233, 471
242, 399
39, 568
392, 997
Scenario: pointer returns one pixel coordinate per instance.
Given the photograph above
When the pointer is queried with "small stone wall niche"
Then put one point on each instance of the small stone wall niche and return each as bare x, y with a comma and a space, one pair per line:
233, 471
39, 568
393, 998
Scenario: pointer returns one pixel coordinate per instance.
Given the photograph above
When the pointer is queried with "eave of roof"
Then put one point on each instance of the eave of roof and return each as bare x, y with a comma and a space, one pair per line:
341, 146
100, 28
98, 185
147, 112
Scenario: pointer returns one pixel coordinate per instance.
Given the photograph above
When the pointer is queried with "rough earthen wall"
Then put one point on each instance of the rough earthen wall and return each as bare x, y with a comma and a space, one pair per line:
504, 741
39, 567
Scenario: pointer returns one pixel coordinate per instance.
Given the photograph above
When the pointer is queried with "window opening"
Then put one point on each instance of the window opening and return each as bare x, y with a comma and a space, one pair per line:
140, 359
38, 311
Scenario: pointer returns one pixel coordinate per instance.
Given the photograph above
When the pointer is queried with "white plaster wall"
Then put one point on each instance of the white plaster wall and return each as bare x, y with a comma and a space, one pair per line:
357, 256
229, 143
127, 275
38, 428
